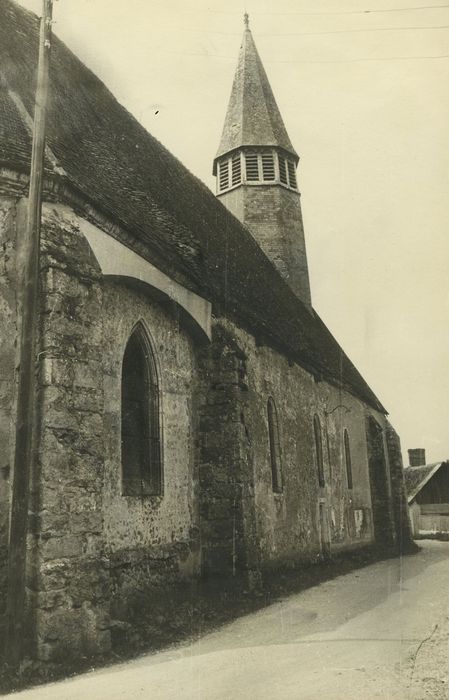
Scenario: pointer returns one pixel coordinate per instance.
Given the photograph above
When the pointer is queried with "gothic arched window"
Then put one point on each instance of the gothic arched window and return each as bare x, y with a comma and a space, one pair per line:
140, 430
275, 448
318, 449
348, 459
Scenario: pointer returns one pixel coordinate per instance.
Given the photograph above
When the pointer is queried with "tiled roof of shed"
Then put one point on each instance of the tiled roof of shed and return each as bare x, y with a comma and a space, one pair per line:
417, 477
176, 221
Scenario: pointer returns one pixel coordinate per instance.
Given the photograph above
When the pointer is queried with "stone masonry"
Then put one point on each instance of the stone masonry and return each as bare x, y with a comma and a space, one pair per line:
97, 558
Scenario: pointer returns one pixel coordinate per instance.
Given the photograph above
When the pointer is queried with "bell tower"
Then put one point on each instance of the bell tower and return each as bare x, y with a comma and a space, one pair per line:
255, 167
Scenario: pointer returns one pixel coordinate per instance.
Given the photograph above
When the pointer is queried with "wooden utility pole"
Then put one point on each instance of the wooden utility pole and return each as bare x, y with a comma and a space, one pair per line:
26, 391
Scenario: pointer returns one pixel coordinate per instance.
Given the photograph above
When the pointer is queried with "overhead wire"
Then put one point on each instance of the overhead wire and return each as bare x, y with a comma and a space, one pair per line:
344, 60
337, 31
329, 32
340, 12
333, 31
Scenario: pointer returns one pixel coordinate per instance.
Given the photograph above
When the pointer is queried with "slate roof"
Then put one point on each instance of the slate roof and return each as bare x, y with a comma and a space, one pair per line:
15, 141
417, 477
172, 218
253, 117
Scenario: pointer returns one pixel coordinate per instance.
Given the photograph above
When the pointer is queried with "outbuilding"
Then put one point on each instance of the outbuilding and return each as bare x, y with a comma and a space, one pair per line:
428, 495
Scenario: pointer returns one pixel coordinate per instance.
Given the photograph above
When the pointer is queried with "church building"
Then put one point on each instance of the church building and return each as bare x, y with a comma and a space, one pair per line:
194, 415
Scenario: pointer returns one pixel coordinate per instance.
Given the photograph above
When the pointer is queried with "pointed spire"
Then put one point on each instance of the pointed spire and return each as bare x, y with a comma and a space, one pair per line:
253, 117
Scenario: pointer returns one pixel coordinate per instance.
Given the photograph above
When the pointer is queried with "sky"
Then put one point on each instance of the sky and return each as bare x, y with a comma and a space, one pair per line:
363, 89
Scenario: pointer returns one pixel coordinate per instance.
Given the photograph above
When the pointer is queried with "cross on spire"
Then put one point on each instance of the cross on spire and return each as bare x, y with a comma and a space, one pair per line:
246, 20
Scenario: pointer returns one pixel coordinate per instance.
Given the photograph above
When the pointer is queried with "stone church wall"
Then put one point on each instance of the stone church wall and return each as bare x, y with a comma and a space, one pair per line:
401, 516
287, 524
246, 526
68, 577
96, 556
99, 555
93, 553
226, 468
8, 329
150, 541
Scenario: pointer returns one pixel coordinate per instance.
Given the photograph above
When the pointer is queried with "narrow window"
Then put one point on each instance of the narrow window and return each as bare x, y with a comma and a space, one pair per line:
224, 174
348, 459
236, 169
140, 431
318, 449
282, 170
275, 450
291, 174
268, 166
252, 166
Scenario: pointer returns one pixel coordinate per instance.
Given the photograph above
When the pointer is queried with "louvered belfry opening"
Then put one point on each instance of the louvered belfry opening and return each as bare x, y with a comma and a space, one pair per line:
252, 167
224, 175
268, 170
256, 167
291, 168
283, 170
236, 169
140, 429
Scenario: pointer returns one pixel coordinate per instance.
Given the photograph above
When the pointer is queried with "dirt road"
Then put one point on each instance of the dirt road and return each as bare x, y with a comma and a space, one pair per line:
380, 632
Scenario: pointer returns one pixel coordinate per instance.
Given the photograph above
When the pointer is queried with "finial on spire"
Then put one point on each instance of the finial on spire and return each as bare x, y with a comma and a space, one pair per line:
246, 20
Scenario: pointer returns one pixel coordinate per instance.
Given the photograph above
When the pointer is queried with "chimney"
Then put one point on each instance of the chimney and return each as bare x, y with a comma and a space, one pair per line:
417, 457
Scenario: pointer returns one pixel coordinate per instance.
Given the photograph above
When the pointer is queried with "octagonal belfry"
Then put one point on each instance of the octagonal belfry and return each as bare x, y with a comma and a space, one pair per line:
255, 167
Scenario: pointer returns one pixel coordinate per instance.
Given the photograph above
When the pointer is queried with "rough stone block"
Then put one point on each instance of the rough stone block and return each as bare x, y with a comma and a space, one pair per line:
86, 522
62, 547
